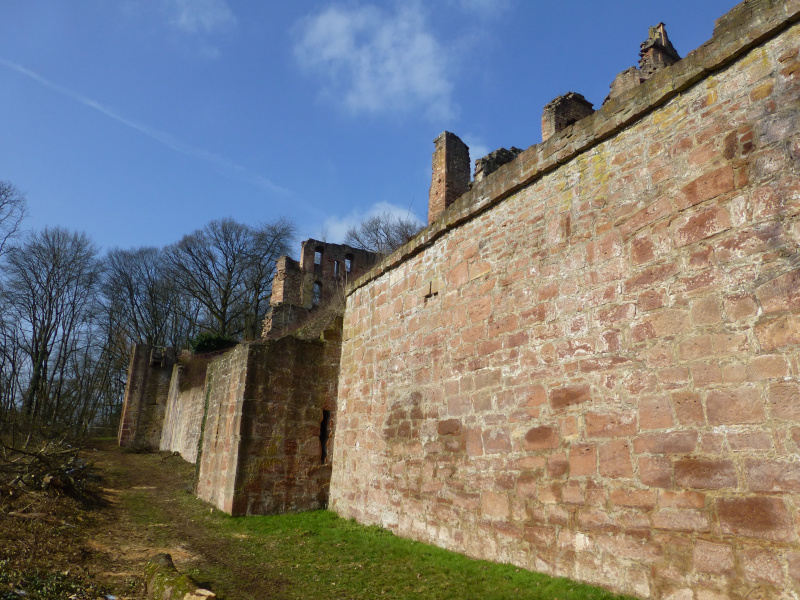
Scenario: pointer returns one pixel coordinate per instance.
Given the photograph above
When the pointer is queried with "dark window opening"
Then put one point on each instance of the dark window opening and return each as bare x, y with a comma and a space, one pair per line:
318, 256
324, 433
336, 268
348, 263
316, 294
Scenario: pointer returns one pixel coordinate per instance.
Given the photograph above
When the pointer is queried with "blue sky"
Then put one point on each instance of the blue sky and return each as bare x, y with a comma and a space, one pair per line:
138, 121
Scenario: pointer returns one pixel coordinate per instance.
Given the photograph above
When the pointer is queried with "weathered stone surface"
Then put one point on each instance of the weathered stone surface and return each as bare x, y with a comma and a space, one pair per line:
618, 340
146, 396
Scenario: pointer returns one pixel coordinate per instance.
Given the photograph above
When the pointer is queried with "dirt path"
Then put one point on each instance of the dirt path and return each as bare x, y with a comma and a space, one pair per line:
151, 509
144, 504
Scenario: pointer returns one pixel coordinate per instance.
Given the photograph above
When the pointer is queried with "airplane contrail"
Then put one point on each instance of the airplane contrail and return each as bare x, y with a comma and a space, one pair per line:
166, 139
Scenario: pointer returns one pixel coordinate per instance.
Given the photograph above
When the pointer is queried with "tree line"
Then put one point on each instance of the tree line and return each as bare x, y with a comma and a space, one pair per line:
69, 315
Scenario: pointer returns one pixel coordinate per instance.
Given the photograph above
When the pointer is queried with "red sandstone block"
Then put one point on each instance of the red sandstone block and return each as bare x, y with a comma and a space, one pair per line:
695, 348
767, 367
573, 493
615, 314
607, 362
494, 504
582, 460
496, 441
655, 471
705, 311
711, 557
527, 485
702, 154
540, 536
558, 515
541, 438
673, 377
458, 275
681, 520
735, 406
450, 427
642, 248
655, 413
564, 397
611, 424
781, 293
700, 225
474, 442
762, 566
684, 499
706, 374
768, 475
629, 548
557, 464
503, 325
549, 493
615, 459
651, 300
649, 214
726, 344
672, 442
778, 333
755, 516
784, 401
707, 186
705, 474
793, 558
604, 248
568, 426
596, 520
633, 498
659, 324
750, 440
651, 277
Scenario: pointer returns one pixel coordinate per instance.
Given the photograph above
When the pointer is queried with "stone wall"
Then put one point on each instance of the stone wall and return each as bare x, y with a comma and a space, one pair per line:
270, 422
183, 418
146, 396
220, 437
589, 365
318, 280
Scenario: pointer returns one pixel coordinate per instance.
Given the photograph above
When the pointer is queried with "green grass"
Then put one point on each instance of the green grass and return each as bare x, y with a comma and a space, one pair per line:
319, 555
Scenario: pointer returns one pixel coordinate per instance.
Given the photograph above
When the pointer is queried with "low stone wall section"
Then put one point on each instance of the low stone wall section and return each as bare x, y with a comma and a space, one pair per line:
270, 421
146, 395
183, 419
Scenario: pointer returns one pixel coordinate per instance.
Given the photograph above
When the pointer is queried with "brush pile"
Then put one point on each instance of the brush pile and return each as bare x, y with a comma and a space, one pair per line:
50, 466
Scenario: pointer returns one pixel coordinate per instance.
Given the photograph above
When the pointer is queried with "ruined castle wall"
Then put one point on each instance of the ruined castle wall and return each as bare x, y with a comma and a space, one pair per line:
220, 435
145, 398
589, 365
183, 419
289, 412
270, 406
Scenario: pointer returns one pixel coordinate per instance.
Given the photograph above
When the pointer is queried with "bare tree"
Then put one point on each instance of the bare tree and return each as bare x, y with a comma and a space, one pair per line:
383, 233
140, 296
51, 284
227, 268
12, 211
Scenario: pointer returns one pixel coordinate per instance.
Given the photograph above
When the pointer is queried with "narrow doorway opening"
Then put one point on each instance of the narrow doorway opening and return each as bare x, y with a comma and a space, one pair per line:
324, 433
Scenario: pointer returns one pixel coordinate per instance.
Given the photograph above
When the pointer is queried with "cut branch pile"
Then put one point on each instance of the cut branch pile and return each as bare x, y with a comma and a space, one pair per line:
53, 466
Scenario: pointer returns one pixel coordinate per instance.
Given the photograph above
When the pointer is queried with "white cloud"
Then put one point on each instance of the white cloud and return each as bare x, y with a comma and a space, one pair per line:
486, 8
335, 227
201, 16
377, 61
